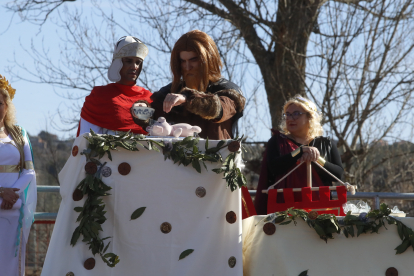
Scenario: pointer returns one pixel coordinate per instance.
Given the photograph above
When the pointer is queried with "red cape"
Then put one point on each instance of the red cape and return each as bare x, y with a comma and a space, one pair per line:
109, 107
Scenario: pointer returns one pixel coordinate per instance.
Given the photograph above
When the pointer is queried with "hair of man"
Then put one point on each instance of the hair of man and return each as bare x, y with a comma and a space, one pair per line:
211, 65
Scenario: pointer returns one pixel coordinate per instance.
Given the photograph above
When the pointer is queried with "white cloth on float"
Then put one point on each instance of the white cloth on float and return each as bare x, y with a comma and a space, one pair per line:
85, 127
12, 241
294, 249
168, 192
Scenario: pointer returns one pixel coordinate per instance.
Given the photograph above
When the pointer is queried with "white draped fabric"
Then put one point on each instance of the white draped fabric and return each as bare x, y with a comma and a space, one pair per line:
293, 249
168, 192
12, 256
85, 127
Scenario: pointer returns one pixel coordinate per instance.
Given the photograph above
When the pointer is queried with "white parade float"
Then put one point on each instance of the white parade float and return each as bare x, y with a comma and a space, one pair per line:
164, 219
161, 218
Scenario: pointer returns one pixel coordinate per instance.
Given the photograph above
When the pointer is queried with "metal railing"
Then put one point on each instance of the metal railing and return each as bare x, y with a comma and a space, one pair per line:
44, 217
51, 217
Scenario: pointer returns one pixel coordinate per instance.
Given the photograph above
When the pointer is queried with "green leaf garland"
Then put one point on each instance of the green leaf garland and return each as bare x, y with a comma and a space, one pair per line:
327, 224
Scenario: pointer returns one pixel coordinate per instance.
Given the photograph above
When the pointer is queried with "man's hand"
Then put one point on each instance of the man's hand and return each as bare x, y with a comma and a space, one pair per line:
9, 198
309, 154
173, 100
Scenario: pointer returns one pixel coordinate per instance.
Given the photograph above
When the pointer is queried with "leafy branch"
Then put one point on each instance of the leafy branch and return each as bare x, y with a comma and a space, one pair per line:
232, 174
92, 216
186, 152
101, 144
327, 224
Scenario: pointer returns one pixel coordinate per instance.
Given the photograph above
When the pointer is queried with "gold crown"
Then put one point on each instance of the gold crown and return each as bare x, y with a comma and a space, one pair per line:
4, 84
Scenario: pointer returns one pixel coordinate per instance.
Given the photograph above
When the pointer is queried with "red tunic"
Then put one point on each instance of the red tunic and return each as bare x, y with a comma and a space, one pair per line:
109, 107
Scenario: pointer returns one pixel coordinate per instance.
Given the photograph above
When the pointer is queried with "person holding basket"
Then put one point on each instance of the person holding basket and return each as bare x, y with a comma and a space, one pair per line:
299, 140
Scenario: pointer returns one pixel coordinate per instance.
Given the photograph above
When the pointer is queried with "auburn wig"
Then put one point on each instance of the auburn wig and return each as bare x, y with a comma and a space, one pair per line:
201, 43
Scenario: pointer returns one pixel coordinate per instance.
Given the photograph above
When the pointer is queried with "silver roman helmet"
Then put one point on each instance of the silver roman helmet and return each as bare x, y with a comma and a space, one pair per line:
127, 46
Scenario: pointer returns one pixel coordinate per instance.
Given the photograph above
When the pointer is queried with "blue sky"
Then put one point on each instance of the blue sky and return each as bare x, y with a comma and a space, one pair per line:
35, 103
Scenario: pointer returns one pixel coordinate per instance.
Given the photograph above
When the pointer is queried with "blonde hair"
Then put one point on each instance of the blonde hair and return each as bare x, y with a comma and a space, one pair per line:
10, 122
201, 43
314, 116
10, 118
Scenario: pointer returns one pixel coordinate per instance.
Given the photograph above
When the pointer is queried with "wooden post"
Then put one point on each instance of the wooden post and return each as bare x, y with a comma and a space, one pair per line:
309, 174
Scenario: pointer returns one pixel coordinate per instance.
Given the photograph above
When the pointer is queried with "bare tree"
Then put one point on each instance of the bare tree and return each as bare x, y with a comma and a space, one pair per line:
362, 78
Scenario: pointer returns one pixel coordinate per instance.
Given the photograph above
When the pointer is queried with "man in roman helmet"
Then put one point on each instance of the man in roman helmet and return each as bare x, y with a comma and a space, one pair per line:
108, 108
198, 94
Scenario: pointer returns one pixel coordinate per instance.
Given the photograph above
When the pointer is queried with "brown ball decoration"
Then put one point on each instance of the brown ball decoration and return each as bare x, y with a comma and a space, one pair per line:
391, 271
75, 150
269, 228
232, 261
200, 192
234, 146
165, 227
231, 217
313, 215
77, 195
124, 168
89, 264
91, 168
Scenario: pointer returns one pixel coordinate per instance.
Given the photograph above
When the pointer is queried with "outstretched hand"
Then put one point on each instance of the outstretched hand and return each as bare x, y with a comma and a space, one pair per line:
9, 198
309, 154
172, 100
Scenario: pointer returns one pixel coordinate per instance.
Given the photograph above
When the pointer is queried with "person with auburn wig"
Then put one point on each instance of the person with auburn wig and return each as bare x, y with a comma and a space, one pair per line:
198, 94
300, 139
18, 194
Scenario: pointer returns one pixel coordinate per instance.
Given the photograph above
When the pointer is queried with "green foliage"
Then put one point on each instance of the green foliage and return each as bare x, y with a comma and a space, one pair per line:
92, 216
233, 176
186, 152
327, 224
101, 144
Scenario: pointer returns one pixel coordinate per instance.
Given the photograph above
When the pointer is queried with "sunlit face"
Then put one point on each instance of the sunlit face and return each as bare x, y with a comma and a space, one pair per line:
190, 68
130, 70
3, 109
300, 125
